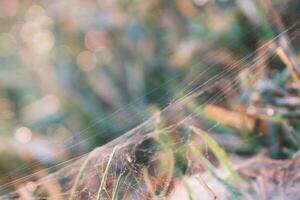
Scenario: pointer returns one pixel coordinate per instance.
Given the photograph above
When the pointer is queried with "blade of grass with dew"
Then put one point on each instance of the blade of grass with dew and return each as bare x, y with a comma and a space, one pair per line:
99, 196
219, 153
117, 187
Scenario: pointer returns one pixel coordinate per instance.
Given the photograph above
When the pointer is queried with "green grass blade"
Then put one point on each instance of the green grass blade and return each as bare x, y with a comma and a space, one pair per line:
79, 176
211, 169
116, 191
188, 189
219, 153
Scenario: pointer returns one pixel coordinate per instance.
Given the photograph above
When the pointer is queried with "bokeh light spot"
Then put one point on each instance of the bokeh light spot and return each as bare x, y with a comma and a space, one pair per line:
23, 134
43, 41
95, 40
86, 60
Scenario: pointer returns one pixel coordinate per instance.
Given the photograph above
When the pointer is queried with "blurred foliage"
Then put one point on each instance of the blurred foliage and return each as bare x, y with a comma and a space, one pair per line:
77, 74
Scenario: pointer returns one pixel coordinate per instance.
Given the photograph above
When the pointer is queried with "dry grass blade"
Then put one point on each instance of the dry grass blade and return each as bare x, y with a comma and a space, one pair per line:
230, 118
147, 181
209, 191
285, 58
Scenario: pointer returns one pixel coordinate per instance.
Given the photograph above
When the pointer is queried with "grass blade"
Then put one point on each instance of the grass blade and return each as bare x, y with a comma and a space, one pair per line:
218, 151
210, 168
188, 189
99, 196
116, 191
79, 176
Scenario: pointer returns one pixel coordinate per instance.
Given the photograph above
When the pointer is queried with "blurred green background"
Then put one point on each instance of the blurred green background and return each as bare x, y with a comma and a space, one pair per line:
76, 74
